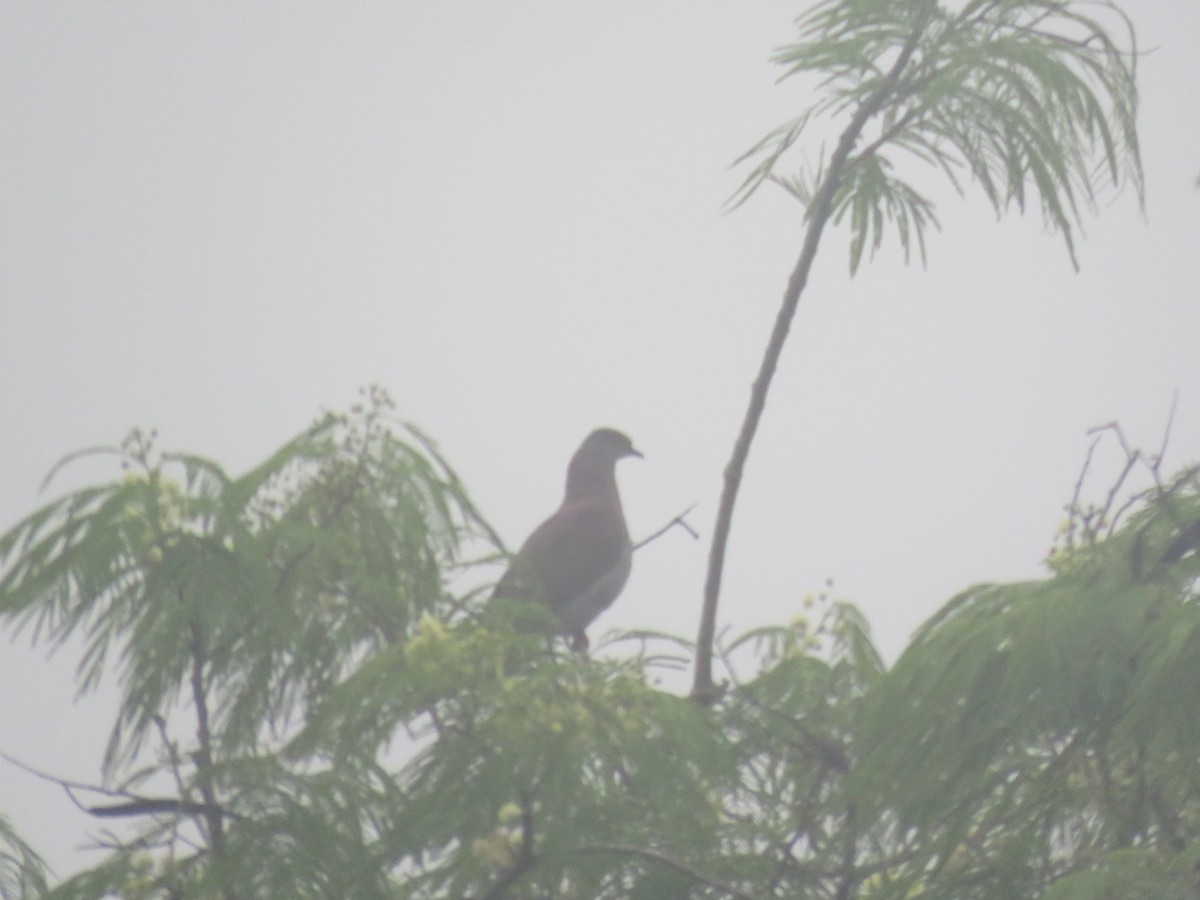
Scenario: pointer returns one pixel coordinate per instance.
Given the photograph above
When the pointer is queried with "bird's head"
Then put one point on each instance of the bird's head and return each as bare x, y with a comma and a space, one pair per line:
608, 444
594, 463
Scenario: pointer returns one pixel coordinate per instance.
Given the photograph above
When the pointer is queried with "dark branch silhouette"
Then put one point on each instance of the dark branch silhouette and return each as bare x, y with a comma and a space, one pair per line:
703, 688
657, 856
679, 521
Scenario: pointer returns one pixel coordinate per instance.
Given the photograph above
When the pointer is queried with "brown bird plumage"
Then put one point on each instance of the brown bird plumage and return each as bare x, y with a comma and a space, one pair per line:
577, 561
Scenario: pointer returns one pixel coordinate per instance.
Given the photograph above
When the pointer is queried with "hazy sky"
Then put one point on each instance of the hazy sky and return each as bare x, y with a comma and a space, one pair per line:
220, 218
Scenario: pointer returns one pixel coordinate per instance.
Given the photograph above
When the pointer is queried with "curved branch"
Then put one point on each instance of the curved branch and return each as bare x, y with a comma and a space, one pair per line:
703, 688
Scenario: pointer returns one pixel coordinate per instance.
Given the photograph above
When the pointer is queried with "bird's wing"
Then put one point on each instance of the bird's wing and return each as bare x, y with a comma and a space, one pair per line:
569, 552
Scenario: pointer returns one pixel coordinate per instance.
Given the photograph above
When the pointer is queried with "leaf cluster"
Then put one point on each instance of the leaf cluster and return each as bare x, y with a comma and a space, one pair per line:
22, 870
1034, 101
342, 721
1037, 739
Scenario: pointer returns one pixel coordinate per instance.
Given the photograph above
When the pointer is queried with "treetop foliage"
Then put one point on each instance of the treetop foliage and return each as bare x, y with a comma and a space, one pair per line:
1029, 99
326, 714
1035, 101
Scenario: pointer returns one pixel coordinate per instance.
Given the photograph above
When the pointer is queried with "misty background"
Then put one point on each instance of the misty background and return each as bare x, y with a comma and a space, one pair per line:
219, 219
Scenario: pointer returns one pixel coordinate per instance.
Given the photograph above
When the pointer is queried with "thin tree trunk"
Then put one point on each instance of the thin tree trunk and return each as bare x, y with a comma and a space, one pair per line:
204, 758
703, 687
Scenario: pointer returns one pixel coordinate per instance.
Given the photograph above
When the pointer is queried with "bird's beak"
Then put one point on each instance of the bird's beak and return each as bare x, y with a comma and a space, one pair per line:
633, 451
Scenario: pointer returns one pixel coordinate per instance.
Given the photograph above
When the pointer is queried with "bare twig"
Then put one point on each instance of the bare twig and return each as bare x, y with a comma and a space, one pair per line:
177, 773
1073, 508
645, 853
1156, 460
131, 804
69, 787
679, 521
1106, 514
1093, 521
172, 754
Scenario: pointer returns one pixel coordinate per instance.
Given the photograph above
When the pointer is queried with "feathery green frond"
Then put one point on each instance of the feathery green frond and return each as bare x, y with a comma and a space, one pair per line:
22, 870
1036, 100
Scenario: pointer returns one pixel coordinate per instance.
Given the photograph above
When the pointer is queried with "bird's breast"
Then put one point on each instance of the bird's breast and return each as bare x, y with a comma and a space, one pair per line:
578, 612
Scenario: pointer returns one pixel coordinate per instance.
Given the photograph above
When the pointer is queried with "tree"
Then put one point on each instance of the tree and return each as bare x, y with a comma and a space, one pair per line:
316, 702
1029, 99
309, 711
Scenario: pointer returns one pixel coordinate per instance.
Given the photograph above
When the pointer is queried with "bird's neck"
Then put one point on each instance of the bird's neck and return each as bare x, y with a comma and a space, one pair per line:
587, 479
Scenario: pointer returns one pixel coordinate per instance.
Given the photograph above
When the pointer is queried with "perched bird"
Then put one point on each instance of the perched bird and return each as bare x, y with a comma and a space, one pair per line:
577, 561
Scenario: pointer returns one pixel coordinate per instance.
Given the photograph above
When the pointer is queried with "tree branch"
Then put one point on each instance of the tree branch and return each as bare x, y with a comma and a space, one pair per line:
204, 756
655, 856
148, 806
703, 688
69, 787
679, 520
850, 877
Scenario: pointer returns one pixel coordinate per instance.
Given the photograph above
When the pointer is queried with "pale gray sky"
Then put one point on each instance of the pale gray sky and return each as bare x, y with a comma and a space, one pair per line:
219, 218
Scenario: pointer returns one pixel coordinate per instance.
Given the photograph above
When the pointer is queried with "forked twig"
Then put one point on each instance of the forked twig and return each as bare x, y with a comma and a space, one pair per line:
679, 520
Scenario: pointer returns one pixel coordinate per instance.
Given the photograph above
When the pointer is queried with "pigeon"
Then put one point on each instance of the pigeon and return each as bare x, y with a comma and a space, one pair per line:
578, 560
